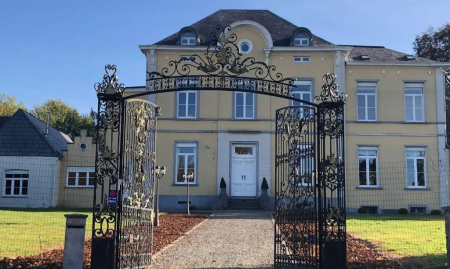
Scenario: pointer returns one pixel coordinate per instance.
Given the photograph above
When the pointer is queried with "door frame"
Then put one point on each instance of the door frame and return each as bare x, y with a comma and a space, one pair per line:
230, 160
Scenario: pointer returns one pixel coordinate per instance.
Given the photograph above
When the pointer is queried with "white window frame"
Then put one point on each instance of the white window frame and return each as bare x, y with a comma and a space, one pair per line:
300, 40
186, 105
301, 93
13, 172
415, 158
77, 170
367, 158
190, 41
415, 85
301, 59
366, 97
195, 154
244, 116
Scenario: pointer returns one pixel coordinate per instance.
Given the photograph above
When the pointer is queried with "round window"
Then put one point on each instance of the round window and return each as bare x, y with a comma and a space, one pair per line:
83, 146
245, 46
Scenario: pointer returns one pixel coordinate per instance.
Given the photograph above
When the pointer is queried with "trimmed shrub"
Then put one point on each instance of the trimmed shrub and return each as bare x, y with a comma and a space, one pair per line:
362, 210
435, 212
264, 184
403, 211
223, 185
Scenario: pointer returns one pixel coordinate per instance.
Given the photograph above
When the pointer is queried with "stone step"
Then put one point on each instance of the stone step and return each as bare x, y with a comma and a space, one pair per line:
244, 204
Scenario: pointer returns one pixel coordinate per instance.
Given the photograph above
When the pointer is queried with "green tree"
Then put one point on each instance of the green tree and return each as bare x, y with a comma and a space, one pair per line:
435, 45
63, 117
9, 105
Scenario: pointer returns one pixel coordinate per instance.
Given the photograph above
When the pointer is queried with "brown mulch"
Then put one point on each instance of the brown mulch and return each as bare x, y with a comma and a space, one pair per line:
171, 227
362, 255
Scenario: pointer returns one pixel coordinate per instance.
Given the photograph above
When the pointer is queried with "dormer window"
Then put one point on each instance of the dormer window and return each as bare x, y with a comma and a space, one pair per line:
301, 39
188, 38
365, 57
410, 57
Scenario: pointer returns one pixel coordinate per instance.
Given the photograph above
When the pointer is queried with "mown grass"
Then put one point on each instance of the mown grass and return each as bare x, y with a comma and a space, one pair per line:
414, 239
22, 230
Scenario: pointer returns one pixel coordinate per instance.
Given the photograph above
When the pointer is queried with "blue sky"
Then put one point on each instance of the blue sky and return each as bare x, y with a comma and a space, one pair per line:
58, 49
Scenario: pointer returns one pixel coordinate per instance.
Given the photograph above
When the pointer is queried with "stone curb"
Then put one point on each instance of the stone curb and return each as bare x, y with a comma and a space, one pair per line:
164, 249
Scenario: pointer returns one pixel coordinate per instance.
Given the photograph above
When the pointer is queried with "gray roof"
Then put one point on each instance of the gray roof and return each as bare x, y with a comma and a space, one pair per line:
24, 135
379, 54
3, 120
280, 29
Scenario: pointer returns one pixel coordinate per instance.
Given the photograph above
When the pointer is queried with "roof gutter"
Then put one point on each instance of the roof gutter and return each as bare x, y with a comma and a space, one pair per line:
145, 48
436, 64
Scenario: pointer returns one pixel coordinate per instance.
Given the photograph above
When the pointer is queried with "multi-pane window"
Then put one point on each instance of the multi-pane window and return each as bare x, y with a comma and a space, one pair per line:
368, 162
186, 159
304, 166
16, 182
301, 39
244, 107
415, 168
414, 105
187, 104
298, 59
80, 176
301, 91
188, 38
367, 101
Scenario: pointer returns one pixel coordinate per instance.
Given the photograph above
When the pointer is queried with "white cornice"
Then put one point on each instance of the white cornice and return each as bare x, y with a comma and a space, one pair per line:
437, 64
254, 26
145, 48
300, 49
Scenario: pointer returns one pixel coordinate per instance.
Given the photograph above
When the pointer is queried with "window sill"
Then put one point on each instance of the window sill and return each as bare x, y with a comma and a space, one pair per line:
18, 196
366, 121
78, 187
244, 119
417, 189
368, 188
184, 185
186, 118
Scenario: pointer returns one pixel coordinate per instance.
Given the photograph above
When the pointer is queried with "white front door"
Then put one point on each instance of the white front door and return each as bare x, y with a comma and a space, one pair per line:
243, 170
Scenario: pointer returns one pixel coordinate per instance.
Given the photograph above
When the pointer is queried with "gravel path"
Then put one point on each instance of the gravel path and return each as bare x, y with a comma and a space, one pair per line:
239, 239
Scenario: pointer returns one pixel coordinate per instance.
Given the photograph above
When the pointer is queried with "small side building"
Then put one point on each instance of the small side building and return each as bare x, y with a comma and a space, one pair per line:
30, 154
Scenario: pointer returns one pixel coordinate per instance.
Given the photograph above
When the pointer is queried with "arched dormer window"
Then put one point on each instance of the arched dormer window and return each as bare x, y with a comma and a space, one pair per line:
301, 37
187, 37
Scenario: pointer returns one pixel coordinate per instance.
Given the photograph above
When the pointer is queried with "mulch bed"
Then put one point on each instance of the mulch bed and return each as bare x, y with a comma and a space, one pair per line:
171, 227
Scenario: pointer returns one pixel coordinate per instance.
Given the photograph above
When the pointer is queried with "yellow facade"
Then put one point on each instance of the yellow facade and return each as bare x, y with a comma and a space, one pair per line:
215, 129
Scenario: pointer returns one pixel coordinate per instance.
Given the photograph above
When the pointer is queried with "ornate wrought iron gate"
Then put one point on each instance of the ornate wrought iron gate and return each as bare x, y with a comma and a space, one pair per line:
135, 223
310, 183
309, 160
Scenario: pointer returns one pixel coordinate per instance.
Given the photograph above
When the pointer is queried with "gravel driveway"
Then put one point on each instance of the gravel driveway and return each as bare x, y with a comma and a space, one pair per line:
237, 239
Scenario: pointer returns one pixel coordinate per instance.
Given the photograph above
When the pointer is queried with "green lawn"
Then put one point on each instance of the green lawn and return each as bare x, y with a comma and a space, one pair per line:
21, 229
416, 239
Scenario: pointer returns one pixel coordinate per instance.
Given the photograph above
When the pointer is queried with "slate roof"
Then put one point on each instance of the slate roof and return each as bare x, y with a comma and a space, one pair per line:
3, 120
280, 29
379, 54
24, 135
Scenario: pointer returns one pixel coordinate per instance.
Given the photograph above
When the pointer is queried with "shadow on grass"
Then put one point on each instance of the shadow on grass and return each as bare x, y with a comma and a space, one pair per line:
426, 261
